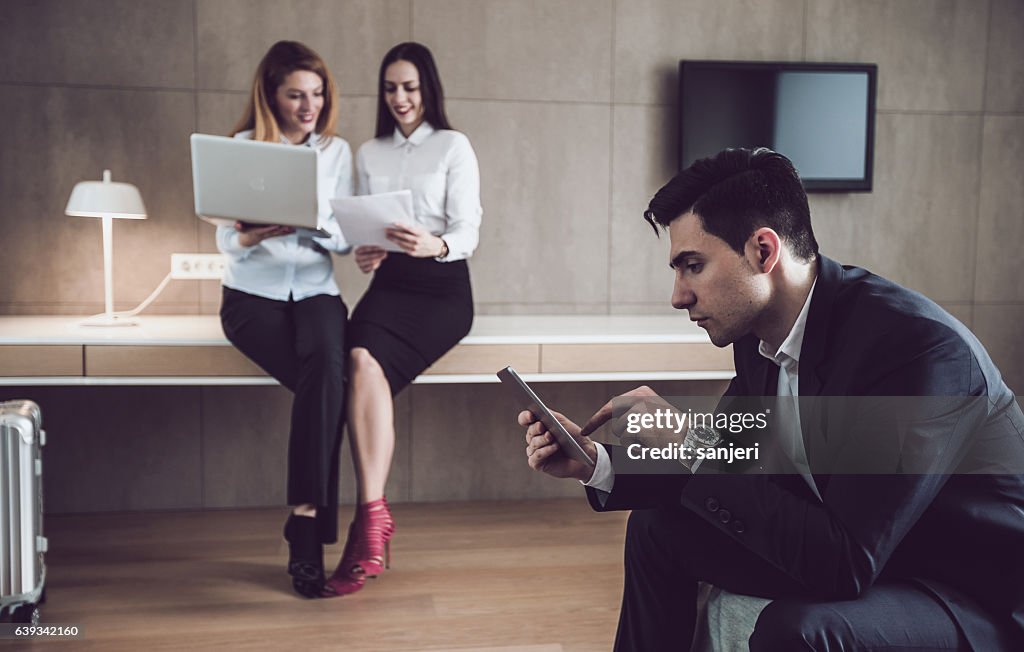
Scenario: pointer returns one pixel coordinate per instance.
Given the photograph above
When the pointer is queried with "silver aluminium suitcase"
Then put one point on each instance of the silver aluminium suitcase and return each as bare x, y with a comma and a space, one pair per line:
22, 544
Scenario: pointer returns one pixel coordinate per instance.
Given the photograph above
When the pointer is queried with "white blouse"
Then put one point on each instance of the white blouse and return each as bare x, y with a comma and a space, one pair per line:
293, 265
440, 168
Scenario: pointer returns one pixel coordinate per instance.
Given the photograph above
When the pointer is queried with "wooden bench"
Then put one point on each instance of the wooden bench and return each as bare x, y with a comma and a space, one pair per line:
192, 350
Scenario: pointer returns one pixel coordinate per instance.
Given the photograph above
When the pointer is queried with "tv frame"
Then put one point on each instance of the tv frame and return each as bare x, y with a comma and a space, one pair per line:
811, 185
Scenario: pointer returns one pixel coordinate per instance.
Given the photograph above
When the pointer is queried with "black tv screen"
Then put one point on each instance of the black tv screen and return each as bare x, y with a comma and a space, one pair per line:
819, 115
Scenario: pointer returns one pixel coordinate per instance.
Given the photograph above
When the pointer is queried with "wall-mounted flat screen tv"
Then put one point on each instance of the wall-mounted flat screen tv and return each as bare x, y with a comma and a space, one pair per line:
820, 115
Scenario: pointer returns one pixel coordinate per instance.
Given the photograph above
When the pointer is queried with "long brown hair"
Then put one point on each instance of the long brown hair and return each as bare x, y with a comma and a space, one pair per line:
282, 59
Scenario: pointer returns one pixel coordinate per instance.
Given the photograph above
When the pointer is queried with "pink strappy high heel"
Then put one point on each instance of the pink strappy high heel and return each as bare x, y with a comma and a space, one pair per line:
367, 550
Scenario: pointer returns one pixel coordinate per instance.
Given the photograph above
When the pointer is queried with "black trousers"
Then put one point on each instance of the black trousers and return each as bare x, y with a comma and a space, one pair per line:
669, 549
302, 345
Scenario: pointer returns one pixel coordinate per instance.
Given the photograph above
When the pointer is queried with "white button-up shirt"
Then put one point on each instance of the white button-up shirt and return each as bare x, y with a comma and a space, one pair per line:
294, 265
441, 170
788, 360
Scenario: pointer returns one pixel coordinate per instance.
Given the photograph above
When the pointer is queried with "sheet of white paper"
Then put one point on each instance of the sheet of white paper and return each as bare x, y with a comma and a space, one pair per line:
363, 218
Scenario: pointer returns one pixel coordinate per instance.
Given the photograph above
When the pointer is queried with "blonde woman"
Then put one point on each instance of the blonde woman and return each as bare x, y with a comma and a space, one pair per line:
281, 306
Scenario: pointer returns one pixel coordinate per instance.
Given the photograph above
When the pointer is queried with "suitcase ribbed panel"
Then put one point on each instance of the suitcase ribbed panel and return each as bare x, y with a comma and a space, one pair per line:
6, 531
20, 499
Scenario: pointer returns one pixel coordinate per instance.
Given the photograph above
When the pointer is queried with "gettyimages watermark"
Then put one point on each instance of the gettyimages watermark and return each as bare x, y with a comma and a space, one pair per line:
900, 435
702, 440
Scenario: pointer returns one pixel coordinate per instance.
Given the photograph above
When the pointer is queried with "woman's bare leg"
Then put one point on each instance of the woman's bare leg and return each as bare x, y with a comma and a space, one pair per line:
371, 424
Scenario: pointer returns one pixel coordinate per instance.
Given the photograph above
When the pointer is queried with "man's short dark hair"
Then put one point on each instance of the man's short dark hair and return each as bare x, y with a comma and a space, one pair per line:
736, 192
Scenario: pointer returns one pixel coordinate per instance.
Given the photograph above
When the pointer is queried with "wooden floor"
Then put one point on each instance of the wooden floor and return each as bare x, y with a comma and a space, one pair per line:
542, 576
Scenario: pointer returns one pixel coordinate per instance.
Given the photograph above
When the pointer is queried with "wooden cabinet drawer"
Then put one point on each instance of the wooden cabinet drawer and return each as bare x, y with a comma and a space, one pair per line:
597, 358
168, 361
488, 359
40, 360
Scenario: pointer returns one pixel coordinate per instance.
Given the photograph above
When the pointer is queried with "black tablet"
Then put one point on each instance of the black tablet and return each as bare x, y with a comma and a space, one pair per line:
528, 400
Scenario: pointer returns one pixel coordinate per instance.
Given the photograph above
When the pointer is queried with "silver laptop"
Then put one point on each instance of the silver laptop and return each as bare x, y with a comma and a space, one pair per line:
259, 183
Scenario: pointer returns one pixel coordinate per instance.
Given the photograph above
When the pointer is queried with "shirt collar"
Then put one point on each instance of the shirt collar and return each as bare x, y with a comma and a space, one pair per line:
312, 141
416, 138
790, 348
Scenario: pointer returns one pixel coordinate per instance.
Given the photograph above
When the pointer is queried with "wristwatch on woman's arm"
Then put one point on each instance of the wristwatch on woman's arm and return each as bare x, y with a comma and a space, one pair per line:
444, 249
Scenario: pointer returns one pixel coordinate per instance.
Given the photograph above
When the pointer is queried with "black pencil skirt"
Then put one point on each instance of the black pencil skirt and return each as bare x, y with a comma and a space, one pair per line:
414, 311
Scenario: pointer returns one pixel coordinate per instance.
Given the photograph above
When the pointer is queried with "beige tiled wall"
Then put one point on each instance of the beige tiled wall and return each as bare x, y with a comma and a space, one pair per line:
1004, 81
930, 53
651, 36
351, 35
570, 105
922, 212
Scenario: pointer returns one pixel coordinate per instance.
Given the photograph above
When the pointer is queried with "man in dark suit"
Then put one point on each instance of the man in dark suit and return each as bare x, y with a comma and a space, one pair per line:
870, 527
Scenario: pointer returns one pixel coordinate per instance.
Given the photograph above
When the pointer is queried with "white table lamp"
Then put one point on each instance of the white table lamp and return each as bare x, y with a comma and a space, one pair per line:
107, 200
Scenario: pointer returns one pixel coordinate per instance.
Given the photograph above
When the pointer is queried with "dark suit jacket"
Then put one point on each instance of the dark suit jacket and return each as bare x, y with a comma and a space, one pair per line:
958, 532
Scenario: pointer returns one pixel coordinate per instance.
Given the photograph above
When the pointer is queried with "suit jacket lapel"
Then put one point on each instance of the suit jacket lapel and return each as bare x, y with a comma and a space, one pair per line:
814, 366
812, 351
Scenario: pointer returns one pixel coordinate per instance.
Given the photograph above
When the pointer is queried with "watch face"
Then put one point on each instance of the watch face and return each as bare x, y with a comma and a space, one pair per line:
701, 437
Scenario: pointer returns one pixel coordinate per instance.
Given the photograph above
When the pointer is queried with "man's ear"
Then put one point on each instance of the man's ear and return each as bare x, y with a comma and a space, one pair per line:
766, 247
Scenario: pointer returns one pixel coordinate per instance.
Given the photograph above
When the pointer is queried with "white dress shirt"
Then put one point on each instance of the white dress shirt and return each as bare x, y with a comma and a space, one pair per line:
294, 265
787, 358
440, 168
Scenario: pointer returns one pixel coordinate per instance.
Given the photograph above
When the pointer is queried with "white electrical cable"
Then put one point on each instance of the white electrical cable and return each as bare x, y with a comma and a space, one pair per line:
150, 299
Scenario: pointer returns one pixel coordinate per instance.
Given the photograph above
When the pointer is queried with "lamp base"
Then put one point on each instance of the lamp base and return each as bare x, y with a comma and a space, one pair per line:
109, 319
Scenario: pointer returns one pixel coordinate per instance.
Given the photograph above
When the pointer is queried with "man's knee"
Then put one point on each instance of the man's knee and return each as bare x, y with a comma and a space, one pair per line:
794, 625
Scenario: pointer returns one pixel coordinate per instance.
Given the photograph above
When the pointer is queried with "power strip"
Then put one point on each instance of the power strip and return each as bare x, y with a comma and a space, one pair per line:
197, 266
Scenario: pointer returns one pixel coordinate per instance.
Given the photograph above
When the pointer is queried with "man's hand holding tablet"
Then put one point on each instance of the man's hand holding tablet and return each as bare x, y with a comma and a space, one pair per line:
554, 444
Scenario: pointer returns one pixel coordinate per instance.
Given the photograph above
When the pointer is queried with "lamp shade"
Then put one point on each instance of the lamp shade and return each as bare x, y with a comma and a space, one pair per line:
106, 198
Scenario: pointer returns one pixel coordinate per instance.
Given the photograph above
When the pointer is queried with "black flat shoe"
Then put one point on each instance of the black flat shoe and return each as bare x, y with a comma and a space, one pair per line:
305, 556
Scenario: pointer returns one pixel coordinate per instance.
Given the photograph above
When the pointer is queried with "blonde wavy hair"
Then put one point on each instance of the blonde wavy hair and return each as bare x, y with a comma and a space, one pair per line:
282, 59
